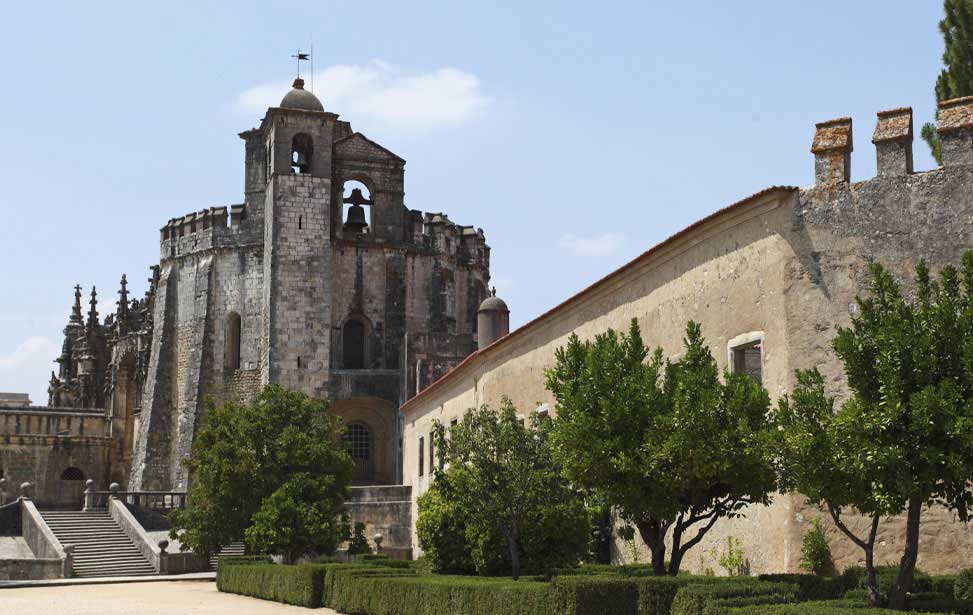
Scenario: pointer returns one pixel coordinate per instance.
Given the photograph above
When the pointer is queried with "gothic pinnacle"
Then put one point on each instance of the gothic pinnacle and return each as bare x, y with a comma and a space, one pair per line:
93, 312
76, 317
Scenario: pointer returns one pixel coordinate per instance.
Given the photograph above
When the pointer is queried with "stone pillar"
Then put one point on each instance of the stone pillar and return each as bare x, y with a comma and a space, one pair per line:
89, 495
832, 147
893, 142
3, 491
955, 119
67, 566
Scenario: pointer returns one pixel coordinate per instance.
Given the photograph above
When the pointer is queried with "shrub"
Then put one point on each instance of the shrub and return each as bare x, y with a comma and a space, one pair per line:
854, 578
580, 595
733, 560
963, 587
809, 586
298, 585
229, 560
656, 594
704, 598
358, 544
831, 607
816, 553
940, 605
442, 534
944, 585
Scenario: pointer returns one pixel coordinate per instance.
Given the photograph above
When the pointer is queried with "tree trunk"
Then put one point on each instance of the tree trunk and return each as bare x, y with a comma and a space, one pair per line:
654, 536
907, 566
511, 536
871, 580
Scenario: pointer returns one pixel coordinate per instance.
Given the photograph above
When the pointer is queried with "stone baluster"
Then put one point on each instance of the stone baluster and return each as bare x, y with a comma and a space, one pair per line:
89, 495
3, 491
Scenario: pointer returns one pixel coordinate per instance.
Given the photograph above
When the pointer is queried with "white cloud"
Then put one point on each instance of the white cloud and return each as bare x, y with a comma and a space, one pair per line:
28, 368
595, 245
386, 94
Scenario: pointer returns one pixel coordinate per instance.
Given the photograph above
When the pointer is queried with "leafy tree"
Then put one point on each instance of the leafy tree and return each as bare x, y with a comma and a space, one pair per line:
358, 544
815, 552
441, 530
274, 472
956, 78
668, 444
904, 438
499, 480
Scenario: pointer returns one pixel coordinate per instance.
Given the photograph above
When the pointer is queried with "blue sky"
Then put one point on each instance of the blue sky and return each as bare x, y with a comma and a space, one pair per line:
576, 134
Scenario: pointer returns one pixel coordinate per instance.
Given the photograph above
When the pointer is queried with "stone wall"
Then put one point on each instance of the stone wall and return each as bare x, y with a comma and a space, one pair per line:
384, 510
783, 267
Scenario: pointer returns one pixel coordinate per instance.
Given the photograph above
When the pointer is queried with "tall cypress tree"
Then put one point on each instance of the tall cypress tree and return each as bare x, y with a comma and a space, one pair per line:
956, 78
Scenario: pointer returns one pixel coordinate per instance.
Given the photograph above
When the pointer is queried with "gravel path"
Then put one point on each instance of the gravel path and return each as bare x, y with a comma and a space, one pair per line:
164, 598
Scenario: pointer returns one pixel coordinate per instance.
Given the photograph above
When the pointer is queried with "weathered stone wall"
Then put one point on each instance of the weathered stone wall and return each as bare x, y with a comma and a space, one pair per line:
384, 510
783, 266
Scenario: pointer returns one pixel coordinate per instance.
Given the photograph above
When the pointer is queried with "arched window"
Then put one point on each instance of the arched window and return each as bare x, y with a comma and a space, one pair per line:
72, 474
353, 344
231, 356
358, 439
302, 152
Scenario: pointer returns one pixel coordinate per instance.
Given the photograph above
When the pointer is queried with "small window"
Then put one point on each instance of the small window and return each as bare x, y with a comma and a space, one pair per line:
422, 456
232, 350
72, 474
359, 441
747, 358
432, 454
353, 344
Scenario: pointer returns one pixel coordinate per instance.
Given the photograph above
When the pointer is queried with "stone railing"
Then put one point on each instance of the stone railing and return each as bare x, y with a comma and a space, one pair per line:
160, 501
57, 559
155, 551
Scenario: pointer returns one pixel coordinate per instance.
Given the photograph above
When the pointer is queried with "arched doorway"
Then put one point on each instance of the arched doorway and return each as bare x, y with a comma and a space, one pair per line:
71, 487
358, 439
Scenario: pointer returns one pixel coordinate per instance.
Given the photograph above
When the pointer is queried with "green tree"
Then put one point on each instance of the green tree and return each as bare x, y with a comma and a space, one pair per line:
815, 552
274, 472
904, 437
668, 444
499, 477
358, 545
956, 78
441, 531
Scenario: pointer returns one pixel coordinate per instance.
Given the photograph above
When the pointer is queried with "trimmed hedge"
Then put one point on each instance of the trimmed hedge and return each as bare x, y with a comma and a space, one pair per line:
809, 586
299, 585
963, 585
595, 593
830, 607
716, 598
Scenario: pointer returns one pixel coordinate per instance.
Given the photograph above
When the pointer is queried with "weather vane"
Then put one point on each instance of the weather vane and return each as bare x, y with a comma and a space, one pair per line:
307, 57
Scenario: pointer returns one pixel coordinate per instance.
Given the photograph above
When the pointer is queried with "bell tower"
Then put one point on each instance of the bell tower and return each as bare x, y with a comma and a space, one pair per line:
297, 140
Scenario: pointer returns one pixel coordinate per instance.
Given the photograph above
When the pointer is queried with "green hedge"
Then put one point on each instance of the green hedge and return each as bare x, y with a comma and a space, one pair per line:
299, 585
717, 598
595, 593
809, 586
364, 594
963, 585
831, 607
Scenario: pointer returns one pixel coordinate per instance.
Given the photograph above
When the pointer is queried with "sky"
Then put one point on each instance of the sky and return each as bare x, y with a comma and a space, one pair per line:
576, 134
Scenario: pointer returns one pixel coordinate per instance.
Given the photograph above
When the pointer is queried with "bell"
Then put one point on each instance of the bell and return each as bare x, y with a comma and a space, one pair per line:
301, 163
356, 219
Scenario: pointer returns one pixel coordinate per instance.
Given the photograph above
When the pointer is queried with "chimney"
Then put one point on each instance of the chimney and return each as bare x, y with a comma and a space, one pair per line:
893, 142
955, 119
832, 151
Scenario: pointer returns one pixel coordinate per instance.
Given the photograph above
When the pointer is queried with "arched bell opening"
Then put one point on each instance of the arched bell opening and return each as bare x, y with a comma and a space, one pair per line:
357, 215
302, 153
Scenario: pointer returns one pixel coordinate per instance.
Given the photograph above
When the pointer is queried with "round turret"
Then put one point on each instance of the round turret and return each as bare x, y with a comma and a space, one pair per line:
492, 320
299, 98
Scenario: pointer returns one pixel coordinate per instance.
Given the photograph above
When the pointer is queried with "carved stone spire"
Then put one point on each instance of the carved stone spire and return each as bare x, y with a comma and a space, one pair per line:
93, 312
76, 310
122, 311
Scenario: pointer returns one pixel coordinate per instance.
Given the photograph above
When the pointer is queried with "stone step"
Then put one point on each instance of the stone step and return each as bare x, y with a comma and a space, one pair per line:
102, 549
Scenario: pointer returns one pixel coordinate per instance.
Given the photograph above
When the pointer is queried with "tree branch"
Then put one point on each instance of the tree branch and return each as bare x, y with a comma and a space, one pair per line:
836, 517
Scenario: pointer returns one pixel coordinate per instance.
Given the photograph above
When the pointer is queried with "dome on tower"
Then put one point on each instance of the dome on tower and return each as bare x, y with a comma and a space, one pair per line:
299, 98
493, 303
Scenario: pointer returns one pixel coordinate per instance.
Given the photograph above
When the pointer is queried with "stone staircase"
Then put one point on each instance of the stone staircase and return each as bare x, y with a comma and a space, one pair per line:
235, 548
101, 548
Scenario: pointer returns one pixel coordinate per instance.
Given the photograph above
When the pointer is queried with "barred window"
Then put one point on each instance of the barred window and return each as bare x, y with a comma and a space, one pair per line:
359, 441
72, 474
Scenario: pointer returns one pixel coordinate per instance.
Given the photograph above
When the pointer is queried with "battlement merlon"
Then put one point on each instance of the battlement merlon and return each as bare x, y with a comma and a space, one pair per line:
893, 137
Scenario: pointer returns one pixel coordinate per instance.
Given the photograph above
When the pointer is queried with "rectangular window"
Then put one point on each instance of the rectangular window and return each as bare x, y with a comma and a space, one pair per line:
422, 455
747, 359
432, 454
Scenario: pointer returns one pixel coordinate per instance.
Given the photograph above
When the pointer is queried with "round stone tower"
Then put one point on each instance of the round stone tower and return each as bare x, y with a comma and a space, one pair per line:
492, 320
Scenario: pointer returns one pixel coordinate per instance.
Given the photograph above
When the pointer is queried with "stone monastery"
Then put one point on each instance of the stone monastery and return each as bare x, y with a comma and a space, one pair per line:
323, 281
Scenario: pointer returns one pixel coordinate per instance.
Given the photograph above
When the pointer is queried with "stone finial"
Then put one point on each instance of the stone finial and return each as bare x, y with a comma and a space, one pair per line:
163, 545
93, 311
76, 317
832, 147
25, 490
893, 141
114, 488
955, 119
378, 538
